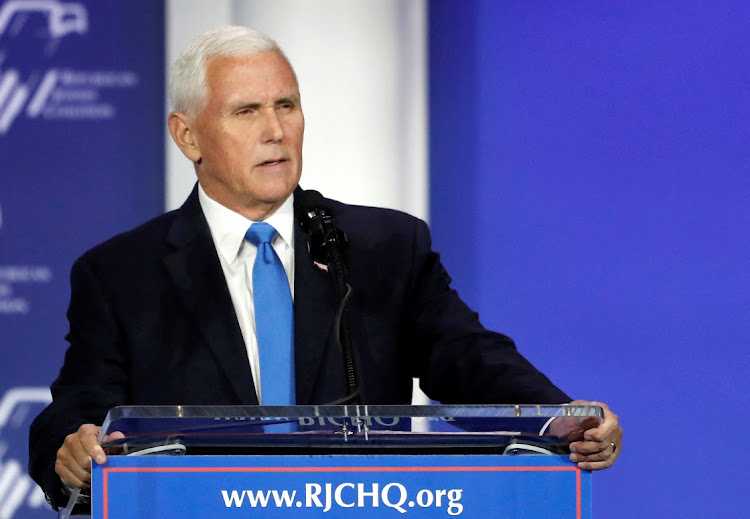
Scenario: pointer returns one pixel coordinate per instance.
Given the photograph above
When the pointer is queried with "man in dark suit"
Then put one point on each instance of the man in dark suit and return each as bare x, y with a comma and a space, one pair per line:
163, 314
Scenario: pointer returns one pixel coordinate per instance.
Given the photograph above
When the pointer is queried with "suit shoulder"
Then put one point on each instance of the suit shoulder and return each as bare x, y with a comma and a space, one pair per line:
378, 228
148, 235
371, 216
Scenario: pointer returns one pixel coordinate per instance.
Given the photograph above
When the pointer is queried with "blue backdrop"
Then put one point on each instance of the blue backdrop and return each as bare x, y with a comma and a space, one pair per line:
81, 140
590, 194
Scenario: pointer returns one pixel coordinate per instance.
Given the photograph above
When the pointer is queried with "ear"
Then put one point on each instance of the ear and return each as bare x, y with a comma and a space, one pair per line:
182, 127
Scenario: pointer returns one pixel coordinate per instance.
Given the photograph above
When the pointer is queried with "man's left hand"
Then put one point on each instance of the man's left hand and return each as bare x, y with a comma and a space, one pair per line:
601, 445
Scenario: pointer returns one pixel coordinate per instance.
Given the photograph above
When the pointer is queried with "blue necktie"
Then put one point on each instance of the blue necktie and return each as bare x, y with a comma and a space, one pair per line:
273, 319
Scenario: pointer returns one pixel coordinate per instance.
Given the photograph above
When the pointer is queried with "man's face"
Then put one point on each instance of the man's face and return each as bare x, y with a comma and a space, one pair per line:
249, 134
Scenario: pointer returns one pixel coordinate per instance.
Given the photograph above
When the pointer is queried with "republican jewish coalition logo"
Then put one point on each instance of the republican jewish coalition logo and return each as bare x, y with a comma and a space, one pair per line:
35, 90
20, 497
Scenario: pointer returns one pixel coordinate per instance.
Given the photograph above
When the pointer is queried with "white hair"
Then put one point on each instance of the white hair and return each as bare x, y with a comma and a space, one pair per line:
187, 79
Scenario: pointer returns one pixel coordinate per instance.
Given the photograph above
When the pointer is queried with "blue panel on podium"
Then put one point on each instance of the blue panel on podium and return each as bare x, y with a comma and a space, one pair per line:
371, 486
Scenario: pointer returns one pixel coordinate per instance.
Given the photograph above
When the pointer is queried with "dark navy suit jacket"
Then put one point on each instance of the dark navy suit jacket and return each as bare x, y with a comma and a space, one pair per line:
152, 322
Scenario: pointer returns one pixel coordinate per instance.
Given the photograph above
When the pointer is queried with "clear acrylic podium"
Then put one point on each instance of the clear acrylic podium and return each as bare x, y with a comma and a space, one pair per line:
332, 461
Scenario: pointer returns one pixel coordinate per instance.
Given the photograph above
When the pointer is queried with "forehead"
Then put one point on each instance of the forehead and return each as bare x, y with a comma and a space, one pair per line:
266, 74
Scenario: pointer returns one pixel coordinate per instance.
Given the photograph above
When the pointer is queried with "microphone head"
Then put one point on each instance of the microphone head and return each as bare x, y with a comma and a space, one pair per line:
311, 210
308, 205
309, 199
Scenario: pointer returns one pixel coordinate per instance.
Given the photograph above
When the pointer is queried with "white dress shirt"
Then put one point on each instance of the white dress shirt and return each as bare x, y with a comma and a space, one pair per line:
237, 257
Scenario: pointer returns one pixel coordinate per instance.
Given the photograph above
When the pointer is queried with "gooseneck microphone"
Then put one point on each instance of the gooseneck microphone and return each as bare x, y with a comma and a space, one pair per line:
325, 239
328, 247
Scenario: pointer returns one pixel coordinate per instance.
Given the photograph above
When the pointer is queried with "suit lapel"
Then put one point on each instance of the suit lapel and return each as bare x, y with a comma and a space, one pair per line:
195, 269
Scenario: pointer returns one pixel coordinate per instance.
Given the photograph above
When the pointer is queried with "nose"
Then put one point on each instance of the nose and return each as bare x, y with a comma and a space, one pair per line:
272, 130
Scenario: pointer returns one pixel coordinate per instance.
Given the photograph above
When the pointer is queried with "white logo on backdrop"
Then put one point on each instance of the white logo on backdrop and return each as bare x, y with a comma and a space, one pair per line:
13, 275
61, 93
62, 18
17, 490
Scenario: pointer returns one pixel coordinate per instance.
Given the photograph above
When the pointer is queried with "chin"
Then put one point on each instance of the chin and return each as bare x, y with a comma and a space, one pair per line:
276, 195
279, 188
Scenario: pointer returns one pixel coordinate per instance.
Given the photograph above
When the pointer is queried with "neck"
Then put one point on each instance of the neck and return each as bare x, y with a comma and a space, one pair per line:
255, 210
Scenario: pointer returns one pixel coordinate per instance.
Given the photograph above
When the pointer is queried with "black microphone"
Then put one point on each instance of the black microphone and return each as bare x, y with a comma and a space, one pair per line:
316, 220
328, 247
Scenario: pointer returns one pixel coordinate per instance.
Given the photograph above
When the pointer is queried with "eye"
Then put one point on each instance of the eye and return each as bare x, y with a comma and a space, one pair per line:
246, 110
285, 106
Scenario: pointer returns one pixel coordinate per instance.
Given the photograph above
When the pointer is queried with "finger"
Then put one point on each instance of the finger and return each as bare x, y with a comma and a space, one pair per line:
84, 446
89, 437
611, 421
600, 454
605, 431
588, 447
588, 423
69, 477
115, 435
597, 465
70, 469
599, 461
73, 455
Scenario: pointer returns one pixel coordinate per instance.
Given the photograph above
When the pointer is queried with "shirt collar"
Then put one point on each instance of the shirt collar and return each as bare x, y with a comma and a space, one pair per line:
228, 228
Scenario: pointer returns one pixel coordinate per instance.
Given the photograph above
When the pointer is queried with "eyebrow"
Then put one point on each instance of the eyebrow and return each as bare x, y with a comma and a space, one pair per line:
294, 99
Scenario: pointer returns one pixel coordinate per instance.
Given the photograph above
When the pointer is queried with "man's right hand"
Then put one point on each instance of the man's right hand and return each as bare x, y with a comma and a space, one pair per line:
73, 463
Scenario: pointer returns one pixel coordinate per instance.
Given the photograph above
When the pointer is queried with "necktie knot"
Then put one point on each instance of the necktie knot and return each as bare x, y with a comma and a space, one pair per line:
260, 232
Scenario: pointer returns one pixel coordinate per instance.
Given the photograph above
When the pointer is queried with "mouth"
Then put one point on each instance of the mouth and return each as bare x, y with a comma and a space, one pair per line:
271, 163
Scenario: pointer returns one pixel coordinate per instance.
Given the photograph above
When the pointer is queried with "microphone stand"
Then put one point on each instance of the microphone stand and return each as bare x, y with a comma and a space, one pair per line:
328, 243
343, 292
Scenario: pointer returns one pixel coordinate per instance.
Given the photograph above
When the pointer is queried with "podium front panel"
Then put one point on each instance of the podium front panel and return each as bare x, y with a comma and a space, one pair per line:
300, 486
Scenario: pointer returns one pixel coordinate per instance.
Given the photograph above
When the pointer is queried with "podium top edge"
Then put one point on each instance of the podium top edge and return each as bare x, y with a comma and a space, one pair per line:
353, 411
